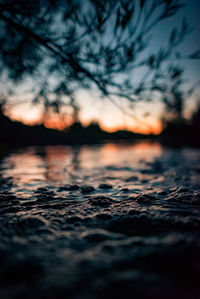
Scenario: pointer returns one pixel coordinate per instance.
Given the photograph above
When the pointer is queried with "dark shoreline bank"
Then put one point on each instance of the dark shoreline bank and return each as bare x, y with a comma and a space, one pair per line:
15, 135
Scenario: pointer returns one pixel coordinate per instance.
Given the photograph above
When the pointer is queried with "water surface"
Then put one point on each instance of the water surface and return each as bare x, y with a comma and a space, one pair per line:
100, 221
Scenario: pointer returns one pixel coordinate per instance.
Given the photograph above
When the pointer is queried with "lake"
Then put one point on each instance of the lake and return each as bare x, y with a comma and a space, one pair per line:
100, 221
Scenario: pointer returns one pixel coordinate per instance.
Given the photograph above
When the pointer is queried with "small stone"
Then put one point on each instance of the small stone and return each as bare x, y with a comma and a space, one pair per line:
125, 190
143, 199
105, 186
87, 189
101, 200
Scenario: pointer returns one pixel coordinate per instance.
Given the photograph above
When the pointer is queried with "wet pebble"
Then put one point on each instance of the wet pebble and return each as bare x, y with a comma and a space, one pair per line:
101, 200
105, 186
87, 189
142, 199
125, 190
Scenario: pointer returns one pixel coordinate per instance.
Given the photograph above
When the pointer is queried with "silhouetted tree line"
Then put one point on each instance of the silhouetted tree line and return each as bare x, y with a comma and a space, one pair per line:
178, 132
16, 134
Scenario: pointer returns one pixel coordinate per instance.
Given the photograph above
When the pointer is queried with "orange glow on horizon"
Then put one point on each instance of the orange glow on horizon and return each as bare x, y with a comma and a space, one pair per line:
54, 121
156, 129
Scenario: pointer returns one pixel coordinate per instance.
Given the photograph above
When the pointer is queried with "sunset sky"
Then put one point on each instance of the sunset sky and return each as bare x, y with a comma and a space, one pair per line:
145, 117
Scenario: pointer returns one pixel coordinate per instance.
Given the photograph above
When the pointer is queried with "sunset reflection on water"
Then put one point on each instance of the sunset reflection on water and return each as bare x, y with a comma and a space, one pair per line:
140, 167
131, 153
57, 163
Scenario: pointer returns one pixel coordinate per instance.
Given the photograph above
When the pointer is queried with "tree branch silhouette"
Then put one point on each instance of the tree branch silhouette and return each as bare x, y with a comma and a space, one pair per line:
88, 44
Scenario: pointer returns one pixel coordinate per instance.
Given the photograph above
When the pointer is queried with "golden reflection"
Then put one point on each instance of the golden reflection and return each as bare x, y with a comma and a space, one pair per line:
25, 167
64, 163
129, 153
147, 145
57, 158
